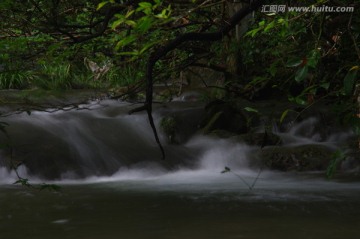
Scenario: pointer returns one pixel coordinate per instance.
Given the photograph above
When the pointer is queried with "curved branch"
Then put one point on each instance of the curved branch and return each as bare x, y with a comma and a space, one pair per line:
192, 36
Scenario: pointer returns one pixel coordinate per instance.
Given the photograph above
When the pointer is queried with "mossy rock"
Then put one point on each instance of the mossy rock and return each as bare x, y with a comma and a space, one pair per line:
180, 120
222, 134
168, 125
259, 139
252, 139
221, 115
297, 158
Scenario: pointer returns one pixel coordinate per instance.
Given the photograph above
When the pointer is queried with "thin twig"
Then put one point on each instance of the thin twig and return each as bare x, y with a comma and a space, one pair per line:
353, 37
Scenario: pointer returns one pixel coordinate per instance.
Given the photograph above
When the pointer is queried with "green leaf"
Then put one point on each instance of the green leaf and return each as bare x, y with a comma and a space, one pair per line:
249, 109
301, 74
226, 170
281, 20
272, 69
148, 46
145, 5
163, 15
325, 85
101, 5
294, 62
269, 26
129, 13
349, 80
125, 41
337, 158
130, 23
313, 58
144, 24
253, 32
23, 182
116, 23
299, 100
283, 115
129, 53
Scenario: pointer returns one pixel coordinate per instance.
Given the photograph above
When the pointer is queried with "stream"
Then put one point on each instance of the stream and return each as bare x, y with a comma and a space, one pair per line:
113, 184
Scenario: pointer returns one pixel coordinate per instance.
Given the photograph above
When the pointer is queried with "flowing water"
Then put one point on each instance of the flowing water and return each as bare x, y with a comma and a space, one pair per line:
103, 196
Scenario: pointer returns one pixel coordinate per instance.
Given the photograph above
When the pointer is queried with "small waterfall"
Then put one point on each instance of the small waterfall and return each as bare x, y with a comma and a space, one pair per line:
309, 131
82, 143
102, 140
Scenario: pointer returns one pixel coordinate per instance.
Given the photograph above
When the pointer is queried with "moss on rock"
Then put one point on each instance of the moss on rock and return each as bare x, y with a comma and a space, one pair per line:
223, 116
297, 158
169, 125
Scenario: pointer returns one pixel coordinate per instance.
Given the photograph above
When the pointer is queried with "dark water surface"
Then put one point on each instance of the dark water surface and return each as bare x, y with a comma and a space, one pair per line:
168, 208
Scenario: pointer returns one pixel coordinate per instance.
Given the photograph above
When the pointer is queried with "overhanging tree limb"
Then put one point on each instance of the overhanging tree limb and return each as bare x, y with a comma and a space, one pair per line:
171, 45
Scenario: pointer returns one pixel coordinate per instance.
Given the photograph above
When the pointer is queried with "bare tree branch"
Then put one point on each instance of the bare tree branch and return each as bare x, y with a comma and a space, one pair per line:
187, 37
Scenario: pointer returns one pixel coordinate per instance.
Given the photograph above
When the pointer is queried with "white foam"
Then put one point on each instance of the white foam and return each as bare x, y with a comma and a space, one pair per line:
9, 176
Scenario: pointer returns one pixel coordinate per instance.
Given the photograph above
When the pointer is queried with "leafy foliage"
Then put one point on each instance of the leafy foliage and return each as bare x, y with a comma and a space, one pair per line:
305, 56
337, 158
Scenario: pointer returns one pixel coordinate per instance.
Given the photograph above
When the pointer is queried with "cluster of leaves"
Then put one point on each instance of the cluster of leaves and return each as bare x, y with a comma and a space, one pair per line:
308, 56
305, 55
142, 26
44, 43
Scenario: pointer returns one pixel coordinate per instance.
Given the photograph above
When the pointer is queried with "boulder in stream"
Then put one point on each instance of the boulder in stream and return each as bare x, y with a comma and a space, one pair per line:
312, 157
222, 115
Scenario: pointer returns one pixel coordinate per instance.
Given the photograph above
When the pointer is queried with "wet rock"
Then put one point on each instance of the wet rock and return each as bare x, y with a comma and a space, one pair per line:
259, 139
252, 139
296, 158
168, 125
222, 134
221, 115
180, 120
352, 156
39, 151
